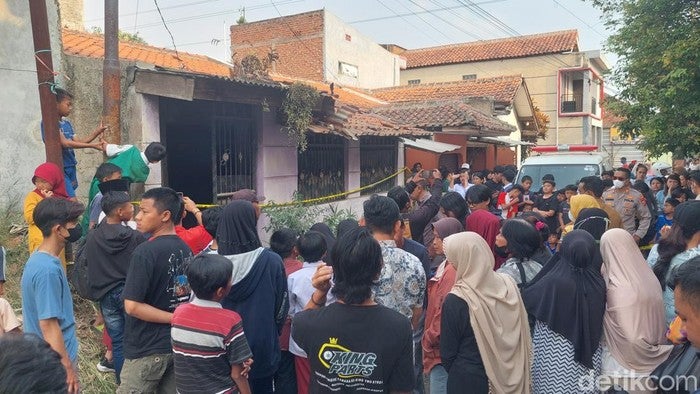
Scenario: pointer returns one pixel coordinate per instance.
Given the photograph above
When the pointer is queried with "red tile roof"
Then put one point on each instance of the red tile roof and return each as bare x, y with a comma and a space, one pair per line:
92, 45
501, 89
504, 48
443, 113
343, 94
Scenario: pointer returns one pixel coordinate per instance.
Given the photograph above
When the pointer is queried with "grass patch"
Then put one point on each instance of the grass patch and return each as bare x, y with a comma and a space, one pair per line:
91, 349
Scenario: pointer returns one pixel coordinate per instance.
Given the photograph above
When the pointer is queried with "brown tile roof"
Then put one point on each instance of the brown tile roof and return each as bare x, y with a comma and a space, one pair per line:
501, 89
504, 48
356, 123
443, 114
92, 45
343, 94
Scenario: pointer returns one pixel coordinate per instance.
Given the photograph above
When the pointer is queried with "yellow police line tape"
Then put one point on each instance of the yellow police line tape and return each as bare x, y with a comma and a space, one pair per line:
318, 199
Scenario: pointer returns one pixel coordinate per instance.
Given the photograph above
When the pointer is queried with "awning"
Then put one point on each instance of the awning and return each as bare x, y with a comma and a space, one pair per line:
430, 145
503, 141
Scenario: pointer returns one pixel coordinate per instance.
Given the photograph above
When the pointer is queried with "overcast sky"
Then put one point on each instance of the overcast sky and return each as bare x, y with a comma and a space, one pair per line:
201, 26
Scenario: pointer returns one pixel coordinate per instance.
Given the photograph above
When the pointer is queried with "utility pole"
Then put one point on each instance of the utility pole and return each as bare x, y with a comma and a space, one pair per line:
44, 73
111, 73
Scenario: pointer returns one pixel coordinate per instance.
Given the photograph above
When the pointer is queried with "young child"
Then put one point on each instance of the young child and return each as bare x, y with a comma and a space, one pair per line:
666, 218
552, 242
508, 201
105, 172
312, 248
48, 181
64, 103
220, 366
132, 162
108, 250
8, 319
283, 242
564, 198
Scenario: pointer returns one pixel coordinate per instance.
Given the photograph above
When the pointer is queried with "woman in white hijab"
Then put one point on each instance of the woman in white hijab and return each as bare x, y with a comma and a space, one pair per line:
634, 324
484, 336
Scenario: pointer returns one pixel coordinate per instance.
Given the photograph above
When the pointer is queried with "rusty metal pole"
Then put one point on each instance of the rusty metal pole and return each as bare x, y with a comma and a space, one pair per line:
111, 73
44, 73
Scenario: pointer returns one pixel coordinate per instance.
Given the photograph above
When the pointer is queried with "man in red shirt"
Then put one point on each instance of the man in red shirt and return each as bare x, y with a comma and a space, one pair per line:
197, 237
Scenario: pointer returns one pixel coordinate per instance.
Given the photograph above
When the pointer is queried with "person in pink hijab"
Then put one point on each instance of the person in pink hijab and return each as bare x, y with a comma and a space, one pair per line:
634, 323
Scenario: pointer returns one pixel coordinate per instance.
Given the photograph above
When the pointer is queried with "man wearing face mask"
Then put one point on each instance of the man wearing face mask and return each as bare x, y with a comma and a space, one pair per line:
629, 203
47, 305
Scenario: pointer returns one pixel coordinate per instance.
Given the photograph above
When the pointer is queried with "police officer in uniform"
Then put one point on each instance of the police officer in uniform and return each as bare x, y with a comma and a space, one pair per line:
629, 203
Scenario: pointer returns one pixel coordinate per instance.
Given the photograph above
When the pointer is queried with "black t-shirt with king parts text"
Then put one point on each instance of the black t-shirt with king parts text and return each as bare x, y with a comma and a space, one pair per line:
156, 277
367, 349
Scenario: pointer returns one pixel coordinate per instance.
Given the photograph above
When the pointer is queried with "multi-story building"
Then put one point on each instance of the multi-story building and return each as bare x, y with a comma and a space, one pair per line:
317, 46
564, 82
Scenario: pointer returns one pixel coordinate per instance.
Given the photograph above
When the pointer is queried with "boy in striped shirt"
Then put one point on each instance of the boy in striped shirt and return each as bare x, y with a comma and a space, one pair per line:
211, 353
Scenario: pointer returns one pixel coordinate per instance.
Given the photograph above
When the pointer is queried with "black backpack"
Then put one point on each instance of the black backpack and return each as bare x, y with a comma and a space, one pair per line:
79, 276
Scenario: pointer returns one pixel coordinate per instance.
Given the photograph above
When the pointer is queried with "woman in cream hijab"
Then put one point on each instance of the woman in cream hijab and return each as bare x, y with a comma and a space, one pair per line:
634, 323
579, 202
484, 336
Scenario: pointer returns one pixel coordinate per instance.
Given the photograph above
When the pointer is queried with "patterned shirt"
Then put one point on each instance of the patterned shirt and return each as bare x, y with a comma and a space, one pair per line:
401, 285
510, 268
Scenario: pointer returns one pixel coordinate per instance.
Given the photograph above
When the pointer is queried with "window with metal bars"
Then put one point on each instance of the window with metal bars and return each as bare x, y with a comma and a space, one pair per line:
322, 167
377, 161
234, 143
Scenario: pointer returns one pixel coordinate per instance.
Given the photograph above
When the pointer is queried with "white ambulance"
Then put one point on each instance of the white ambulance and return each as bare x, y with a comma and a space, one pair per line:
567, 163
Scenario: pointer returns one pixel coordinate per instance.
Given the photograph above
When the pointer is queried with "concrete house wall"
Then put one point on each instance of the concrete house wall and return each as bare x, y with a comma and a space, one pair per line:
312, 45
376, 66
22, 148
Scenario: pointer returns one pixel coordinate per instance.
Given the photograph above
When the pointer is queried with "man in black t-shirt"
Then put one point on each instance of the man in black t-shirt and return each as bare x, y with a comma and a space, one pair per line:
155, 285
354, 344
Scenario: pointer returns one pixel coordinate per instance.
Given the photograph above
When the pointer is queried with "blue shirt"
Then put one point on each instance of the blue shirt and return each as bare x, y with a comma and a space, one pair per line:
45, 295
68, 154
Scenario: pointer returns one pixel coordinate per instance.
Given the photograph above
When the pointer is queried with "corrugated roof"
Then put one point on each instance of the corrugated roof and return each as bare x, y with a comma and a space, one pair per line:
501, 89
504, 48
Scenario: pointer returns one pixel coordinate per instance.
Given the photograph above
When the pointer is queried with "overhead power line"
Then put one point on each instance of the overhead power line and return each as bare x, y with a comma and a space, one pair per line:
204, 16
177, 55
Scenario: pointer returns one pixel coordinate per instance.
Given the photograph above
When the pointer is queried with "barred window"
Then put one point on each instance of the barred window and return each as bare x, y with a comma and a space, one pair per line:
322, 167
377, 161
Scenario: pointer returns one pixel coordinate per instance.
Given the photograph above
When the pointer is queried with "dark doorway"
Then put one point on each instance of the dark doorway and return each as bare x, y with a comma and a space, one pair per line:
450, 161
211, 147
476, 157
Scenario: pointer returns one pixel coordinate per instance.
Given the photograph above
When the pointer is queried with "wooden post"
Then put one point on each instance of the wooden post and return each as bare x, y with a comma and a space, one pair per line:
44, 73
111, 73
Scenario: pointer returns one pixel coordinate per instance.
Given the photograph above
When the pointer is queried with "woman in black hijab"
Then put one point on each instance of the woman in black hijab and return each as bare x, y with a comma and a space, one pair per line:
567, 301
594, 221
259, 292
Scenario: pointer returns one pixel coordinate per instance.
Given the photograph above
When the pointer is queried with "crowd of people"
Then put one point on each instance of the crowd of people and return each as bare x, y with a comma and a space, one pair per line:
451, 283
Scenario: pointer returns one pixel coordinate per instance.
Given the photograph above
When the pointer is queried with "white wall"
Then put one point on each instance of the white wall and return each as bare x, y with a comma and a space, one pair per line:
22, 148
277, 166
377, 66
